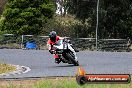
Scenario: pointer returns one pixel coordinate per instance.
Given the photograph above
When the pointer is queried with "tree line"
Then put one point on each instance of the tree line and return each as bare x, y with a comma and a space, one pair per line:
115, 16
38, 17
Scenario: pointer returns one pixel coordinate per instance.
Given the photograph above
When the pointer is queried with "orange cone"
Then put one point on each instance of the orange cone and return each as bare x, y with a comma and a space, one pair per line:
81, 71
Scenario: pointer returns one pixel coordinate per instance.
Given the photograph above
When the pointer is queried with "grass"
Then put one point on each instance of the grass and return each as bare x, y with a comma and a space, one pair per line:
57, 83
5, 68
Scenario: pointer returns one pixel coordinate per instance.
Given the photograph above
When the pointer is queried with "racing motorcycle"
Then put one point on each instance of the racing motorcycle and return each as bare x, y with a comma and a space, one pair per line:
63, 49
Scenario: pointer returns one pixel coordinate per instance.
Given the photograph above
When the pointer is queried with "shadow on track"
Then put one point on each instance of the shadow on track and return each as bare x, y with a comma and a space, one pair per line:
61, 66
66, 66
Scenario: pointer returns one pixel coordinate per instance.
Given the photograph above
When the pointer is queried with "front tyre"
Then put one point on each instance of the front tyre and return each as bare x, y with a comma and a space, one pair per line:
72, 58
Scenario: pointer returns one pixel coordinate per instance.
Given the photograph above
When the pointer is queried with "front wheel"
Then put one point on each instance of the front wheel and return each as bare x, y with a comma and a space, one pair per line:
72, 58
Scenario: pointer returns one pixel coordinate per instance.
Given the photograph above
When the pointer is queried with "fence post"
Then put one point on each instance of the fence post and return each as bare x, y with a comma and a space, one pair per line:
97, 25
22, 42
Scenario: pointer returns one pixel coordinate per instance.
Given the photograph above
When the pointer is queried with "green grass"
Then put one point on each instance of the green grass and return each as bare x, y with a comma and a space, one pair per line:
58, 83
73, 84
4, 68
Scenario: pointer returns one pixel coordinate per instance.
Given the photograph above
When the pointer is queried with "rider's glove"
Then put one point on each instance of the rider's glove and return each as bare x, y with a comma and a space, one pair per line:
51, 51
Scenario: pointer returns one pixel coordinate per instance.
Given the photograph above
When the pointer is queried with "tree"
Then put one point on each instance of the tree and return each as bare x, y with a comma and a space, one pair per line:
115, 16
115, 19
26, 16
85, 11
2, 4
81, 8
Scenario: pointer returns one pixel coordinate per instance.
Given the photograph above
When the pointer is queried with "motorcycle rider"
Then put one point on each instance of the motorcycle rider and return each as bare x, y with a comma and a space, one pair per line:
53, 38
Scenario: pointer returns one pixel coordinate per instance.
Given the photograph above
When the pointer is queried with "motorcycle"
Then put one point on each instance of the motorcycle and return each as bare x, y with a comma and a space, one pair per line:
63, 48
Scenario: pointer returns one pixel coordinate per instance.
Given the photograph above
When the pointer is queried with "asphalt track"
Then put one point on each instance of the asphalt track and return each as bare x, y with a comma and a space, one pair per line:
42, 64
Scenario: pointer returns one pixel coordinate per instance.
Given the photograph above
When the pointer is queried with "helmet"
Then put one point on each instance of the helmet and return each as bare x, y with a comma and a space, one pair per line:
52, 36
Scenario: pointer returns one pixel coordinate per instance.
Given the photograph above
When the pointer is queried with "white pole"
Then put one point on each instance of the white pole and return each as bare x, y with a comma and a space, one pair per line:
97, 25
22, 42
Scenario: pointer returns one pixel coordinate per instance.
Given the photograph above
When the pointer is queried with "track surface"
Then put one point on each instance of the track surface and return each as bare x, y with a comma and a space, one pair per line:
42, 64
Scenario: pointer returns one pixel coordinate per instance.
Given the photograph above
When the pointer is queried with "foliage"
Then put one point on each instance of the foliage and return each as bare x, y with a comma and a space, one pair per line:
33, 17
115, 16
116, 19
26, 16
81, 8
68, 26
84, 11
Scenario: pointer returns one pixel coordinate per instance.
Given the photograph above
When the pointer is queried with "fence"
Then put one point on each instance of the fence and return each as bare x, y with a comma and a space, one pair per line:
113, 45
10, 41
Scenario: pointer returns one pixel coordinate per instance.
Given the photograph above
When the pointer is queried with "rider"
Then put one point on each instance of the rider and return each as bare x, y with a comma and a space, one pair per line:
53, 38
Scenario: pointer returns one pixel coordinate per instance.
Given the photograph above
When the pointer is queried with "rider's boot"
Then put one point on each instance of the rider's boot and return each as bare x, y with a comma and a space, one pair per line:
57, 60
